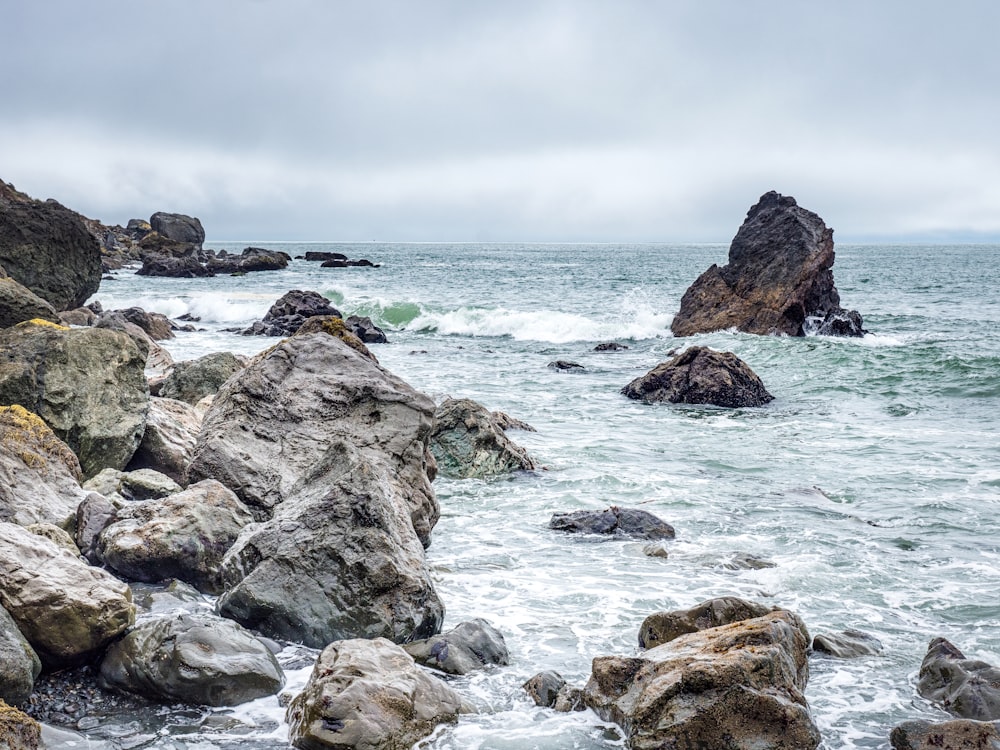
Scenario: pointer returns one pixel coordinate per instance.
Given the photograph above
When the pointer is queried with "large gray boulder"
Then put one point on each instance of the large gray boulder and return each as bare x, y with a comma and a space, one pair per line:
963, 687
192, 658
18, 304
369, 694
86, 383
960, 734
661, 627
178, 228
465, 648
190, 381
39, 475
65, 608
19, 664
779, 279
47, 248
169, 439
733, 687
183, 536
468, 442
700, 375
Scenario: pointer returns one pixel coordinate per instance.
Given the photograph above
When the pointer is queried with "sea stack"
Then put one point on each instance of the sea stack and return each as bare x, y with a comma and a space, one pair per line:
779, 279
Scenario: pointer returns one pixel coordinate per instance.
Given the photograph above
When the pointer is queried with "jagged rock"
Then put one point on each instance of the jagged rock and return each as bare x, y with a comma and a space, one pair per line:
178, 227
157, 359
47, 248
290, 311
465, 648
18, 304
610, 346
338, 263
78, 316
92, 517
733, 687
19, 664
156, 325
368, 694
39, 474
18, 731
183, 536
544, 688
506, 422
317, 255
66, 609
960, 734
849, 644
141, 484
779, 275
661, 627
699, 375
250, 260
614, 521
192, 658
967, 688
468, 443
364, 329
746, 561
192, 380
180, 267
169, 439
336, 327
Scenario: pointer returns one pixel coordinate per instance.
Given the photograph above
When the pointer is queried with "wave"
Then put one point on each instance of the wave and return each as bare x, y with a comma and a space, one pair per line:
210, 307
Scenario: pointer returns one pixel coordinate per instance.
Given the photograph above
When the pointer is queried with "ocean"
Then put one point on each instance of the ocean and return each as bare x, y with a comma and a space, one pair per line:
872, 481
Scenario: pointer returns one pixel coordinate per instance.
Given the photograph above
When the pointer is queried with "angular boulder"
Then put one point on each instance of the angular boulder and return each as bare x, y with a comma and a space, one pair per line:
366, 330
141, 484
169, 438
250, 260
847, 644
87, 384
39, 475
967, 688
18, 304
700, 375
779, 276
155, 325
733, 687
661, 627
368, 694
960, 734
331, 325
47, 248
627, 523
171, 266
468, 443
178, 228
465, 648
290, 311
183, 536
192, 658
19, 664
66, 609
194, 379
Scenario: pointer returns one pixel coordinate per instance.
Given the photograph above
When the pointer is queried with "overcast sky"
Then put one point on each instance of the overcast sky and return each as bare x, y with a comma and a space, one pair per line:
547, 121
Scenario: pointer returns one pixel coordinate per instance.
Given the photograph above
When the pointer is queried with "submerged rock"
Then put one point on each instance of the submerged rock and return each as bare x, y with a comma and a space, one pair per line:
700, 375
614, 521
466, 647
968, 688
961, 734
468, 443
192, 658
369, 694
779, 275
661, 627
734, 687
849, 644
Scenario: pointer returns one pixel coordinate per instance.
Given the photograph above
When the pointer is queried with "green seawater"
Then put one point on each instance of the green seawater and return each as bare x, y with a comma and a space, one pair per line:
872, 481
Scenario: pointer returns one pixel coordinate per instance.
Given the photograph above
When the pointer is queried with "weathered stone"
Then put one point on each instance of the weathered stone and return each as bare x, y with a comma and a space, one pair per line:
178, 227
364, 329
336, 327
544, 688
849, 644
779, 275
169, 439
157, 359
39, 474
66, 608
18, 731
59, 536
290, 311
78, 316
506, 422
182, 267
250, 260
92, 517
661, 627
368, 694
194, 379
468, 443
141, 484
192, 658
960, 734
699, 375
86, 383
19, 664
321, 255
18, 304
733, 687
47, 248
967, 688
610, 346
183, 536
156, 325
614, 521
465, 648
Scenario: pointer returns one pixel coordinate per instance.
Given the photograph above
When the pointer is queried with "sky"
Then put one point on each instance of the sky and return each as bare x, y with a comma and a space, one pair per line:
576, 121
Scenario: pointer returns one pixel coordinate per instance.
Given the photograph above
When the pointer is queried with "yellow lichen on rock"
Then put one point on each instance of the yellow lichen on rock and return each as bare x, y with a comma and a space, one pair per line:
18, 729
34, 441
334, 326
40, 322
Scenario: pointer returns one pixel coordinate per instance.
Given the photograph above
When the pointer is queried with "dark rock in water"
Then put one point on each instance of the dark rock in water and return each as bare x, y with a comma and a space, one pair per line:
738, 687
343, 263
465, 648
661, 627
19, 664
193, 379
563, 365
368, 694
18, 731
779, 274
251, 259
544, 687
967, 688
960, 734
316, 255
178, 227
18, 304
621, 522
849, 644
746, 561
192, 658
364, 329
286, 315
699, 375
185, 267
610, 346
46, 247
836, 323
467, 443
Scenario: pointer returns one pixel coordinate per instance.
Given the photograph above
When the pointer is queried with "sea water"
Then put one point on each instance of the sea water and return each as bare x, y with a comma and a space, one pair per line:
872, 481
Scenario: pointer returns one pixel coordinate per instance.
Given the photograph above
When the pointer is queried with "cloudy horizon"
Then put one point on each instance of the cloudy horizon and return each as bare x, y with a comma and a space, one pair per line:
547, 121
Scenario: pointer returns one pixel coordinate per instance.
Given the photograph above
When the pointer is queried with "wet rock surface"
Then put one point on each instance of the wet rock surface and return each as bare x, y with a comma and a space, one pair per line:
961, 734
661, 627
963, 687
465, 648
467, 442
627, 523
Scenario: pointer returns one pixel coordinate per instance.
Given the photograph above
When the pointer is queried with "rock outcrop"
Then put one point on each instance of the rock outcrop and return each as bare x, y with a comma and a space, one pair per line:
779, 277
47, 248
700, 375
194, 379
629, 523
87, 384
290, 311
18, 304
369, 695
661, 627
19, 664
468, 443
178, 228
465, 648
331, 325
963, 687
250, 260
169, 439
961, 734
848, 644
191, 658
734, 687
